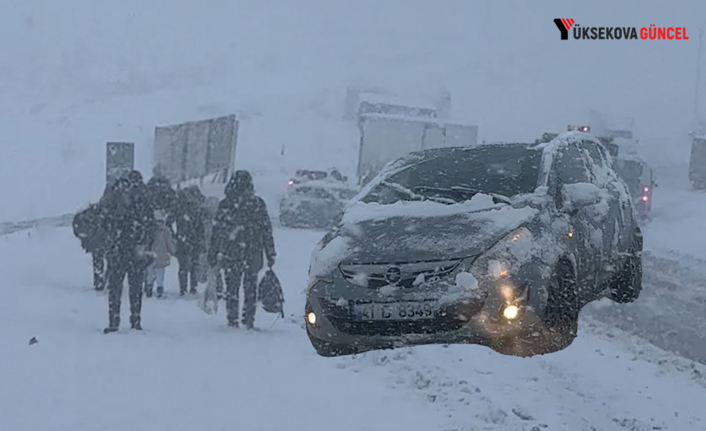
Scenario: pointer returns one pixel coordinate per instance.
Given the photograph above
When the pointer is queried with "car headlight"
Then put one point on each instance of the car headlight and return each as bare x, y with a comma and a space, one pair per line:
497, 265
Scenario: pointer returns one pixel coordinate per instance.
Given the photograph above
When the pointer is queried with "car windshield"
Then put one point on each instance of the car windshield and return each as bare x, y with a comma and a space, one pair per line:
455, 175
313, 193
312, 175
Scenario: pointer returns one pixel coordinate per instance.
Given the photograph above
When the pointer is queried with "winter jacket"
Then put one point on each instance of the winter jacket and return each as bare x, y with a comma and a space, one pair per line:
163, 197
190, 222
129, 222
88, 228
211, 206
242, 230
162, 246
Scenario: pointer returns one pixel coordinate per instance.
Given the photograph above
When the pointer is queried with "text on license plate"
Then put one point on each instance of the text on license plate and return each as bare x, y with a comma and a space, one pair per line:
396, 311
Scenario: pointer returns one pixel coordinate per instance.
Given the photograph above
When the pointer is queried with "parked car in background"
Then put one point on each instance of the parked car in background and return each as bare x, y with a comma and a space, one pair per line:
315, 199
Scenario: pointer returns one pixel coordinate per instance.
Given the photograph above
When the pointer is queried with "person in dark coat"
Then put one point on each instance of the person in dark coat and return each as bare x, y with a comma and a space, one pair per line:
129, 225
190, 236
211, 207
242, 234
163, 197
88, 228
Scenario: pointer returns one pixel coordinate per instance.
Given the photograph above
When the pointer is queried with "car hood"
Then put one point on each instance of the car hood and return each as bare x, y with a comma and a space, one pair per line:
439, 232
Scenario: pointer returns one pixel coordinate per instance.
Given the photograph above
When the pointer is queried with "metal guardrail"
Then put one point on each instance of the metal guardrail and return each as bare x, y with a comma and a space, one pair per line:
7, 228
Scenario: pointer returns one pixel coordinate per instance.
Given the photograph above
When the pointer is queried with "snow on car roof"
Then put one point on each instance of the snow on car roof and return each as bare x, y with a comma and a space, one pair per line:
324, 184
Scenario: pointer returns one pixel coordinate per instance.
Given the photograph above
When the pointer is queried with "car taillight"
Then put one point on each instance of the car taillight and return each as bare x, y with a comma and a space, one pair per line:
290, 182
645, 198
646, 189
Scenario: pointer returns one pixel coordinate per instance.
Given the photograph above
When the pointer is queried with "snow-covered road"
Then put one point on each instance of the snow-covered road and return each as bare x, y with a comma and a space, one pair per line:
188, 371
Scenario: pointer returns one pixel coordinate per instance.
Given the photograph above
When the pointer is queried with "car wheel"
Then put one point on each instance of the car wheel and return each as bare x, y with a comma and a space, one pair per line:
329, 349
628, 284
286, 219
561, 313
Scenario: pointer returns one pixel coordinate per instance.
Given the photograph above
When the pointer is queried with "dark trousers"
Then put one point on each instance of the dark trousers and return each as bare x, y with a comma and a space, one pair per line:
234, 274
219, 281
188, 266
98, 270
117, 269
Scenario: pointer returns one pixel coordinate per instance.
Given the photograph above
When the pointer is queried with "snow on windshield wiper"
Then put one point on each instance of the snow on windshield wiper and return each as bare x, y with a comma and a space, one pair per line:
497, 196
407, 192
466, 190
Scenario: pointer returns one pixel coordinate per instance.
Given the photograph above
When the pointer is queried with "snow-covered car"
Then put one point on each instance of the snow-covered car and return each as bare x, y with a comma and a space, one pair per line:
498, 245
315, 199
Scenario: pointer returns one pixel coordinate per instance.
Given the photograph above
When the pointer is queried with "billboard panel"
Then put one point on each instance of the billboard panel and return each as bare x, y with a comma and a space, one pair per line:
384, 138
460, 135
433, 136
119, 160
195, 149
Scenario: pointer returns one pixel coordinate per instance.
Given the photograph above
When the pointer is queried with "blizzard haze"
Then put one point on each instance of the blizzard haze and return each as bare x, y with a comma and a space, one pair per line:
75, 74
67, 68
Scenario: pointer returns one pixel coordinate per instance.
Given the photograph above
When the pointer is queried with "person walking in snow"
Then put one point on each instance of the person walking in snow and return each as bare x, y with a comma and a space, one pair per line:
242, 234
211, 207
163, 197
129, 225
87, 227
190, 233
162, 249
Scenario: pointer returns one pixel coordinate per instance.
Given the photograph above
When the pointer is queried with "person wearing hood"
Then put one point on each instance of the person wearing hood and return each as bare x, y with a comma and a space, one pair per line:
190, 236
129, 225
163, 197
242, 234
162, 249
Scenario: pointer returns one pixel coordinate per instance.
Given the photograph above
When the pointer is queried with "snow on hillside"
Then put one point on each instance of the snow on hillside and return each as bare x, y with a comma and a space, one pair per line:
187, 370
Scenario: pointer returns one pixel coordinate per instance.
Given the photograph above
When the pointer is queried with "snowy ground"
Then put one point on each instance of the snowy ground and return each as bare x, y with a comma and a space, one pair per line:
188, 371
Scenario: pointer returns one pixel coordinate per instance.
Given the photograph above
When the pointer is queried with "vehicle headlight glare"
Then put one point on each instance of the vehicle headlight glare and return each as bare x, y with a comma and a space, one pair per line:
511, 312
504, 258
311, 318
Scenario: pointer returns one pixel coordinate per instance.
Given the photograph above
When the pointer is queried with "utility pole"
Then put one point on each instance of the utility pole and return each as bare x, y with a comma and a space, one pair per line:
698, 76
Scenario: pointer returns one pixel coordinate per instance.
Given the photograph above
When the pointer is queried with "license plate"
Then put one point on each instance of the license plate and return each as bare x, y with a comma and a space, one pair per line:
396, 311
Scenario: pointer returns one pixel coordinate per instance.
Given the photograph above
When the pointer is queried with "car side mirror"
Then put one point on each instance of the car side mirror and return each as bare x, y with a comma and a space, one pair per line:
577, 196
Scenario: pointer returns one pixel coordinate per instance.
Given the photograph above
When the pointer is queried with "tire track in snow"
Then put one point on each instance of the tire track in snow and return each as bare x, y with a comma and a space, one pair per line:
671, 310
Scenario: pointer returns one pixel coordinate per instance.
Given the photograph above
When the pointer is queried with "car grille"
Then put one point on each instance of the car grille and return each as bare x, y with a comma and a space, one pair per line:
449, 319
375, 274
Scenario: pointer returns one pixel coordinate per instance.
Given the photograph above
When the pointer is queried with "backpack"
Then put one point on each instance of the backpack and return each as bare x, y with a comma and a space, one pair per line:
269, 293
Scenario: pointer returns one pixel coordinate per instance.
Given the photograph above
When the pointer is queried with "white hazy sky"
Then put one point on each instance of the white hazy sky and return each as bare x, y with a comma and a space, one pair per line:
503, 61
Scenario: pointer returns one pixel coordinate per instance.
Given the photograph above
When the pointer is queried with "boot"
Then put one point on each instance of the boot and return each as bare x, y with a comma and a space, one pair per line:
110, 330
160, 292
135, 323
148, 290
233, 323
